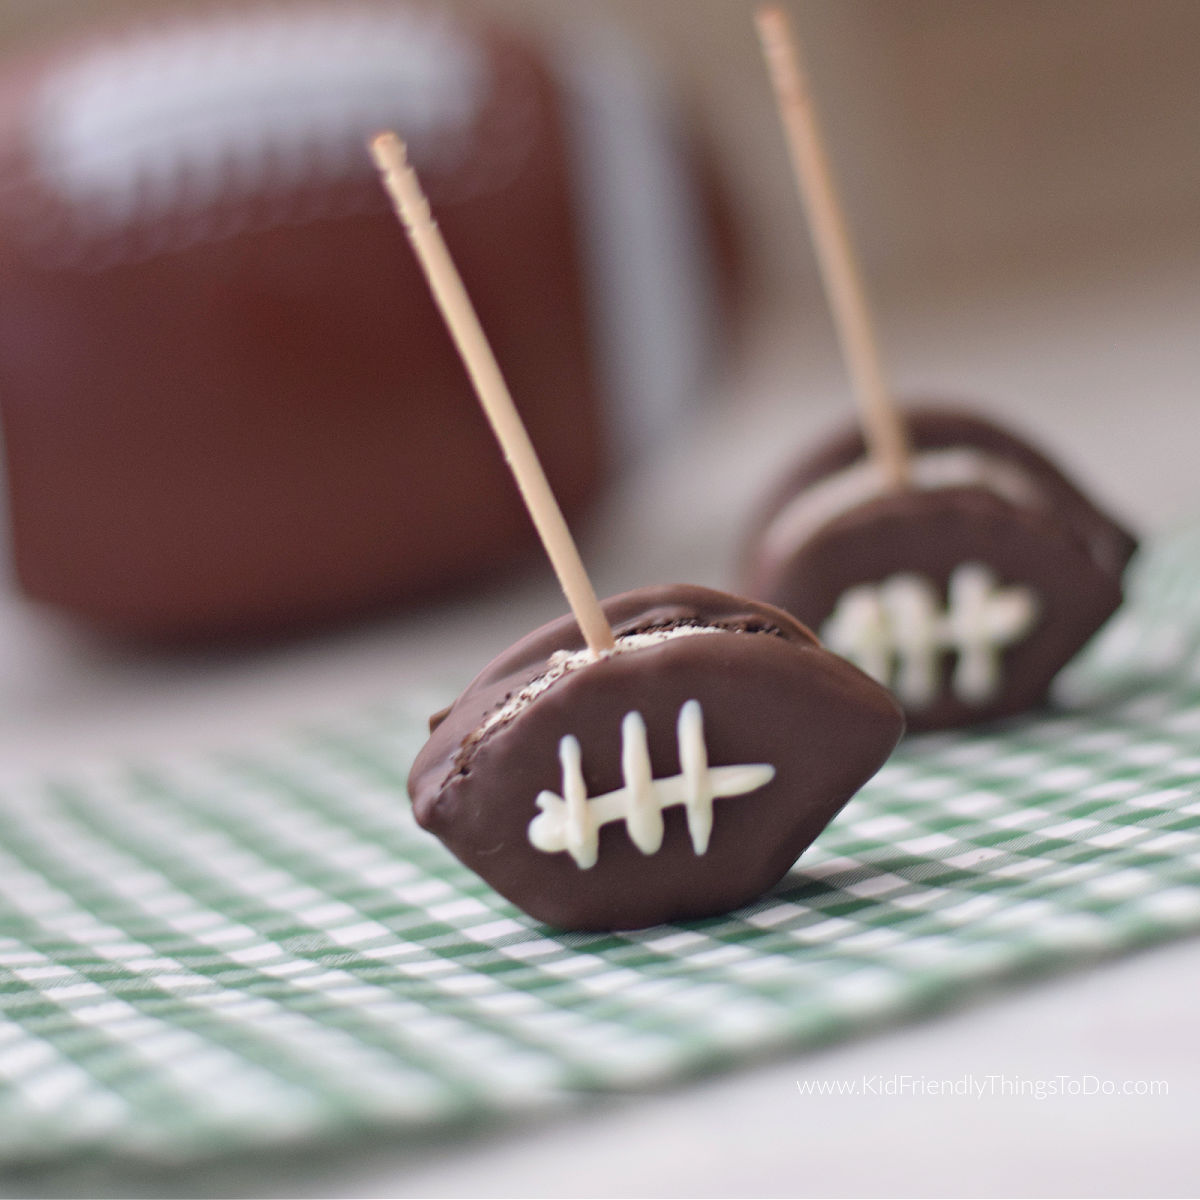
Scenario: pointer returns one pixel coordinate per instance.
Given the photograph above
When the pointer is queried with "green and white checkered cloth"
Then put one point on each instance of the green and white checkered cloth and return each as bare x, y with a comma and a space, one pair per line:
215, 953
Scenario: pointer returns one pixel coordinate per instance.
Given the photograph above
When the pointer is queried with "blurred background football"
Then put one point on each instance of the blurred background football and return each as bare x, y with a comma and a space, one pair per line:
229, 405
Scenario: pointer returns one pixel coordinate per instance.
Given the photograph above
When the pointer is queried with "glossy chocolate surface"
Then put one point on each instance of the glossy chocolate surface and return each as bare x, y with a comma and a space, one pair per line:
769, 694
1061, 547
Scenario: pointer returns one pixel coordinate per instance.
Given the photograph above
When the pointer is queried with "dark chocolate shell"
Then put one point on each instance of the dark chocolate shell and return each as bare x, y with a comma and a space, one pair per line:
808, 727
889, 579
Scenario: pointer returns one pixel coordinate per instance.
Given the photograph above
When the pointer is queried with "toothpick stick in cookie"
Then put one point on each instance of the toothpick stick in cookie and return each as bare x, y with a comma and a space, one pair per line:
671, 765
412, 208
883, 425
938, 551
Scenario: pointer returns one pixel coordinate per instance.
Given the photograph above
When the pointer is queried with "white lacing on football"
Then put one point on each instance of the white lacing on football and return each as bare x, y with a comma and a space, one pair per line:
898, 632
177, 117
572, 821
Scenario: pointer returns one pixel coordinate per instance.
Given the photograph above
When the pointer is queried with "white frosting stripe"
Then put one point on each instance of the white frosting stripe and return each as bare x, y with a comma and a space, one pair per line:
980, 621
572, 822
643, 817
581, 828
693, 762
897, 632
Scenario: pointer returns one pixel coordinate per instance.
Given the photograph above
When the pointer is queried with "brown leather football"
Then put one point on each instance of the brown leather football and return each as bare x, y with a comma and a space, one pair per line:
229, 404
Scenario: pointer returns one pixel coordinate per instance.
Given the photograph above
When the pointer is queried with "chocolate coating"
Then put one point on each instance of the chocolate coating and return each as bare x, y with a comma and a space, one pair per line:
1056, 543
769, 694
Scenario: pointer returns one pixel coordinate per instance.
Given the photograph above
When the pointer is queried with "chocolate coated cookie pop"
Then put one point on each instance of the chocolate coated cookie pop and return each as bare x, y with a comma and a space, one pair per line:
667, 755
944, 555
965, 591
679, 775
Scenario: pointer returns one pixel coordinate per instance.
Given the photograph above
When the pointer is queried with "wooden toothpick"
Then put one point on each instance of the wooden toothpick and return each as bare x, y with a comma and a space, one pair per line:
883, 426
412, 208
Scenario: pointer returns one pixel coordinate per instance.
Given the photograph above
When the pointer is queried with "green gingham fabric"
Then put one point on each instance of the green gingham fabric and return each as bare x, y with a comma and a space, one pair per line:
223, 952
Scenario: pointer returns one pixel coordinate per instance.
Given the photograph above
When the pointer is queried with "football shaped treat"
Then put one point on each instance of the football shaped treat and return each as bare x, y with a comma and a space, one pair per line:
965, 591
946, 557
664, 756
678, 775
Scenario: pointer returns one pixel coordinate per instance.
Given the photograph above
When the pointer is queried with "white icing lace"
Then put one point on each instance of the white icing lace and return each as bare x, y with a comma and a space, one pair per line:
897, 632
572, 821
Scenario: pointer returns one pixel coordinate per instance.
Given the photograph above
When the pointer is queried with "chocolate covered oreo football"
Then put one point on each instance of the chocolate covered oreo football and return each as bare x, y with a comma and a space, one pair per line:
964, 592
678, 775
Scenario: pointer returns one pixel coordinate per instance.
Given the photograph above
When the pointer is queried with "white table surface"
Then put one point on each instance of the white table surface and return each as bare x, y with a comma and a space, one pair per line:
1100, 362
